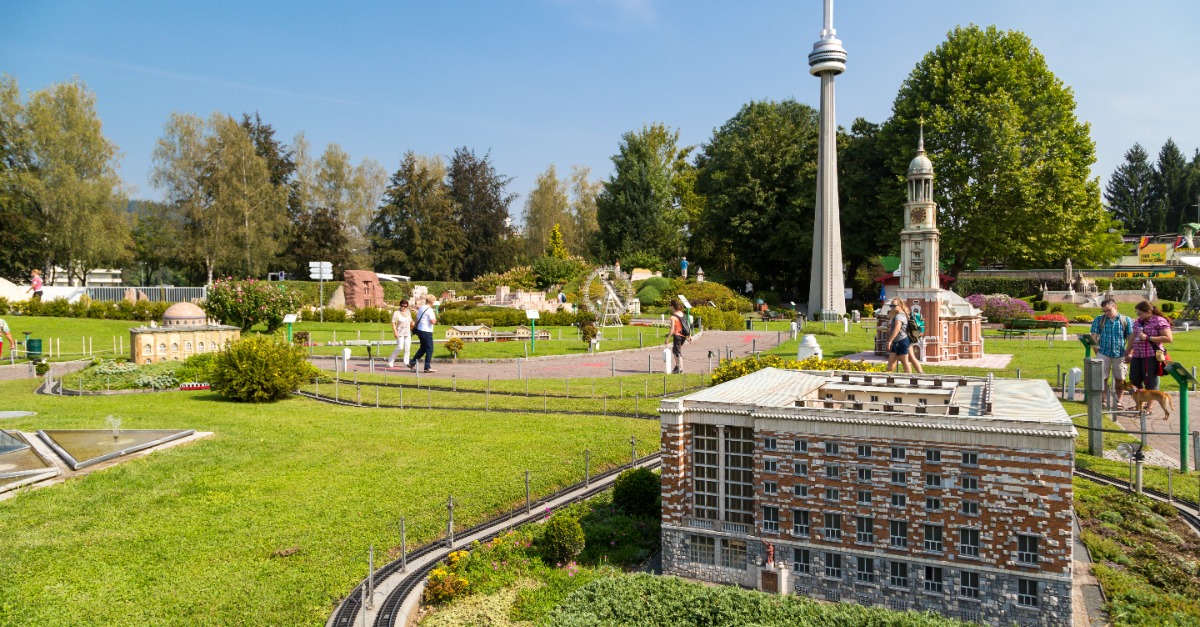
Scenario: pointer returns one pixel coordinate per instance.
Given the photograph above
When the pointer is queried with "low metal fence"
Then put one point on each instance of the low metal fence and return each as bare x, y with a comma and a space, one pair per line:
162, 293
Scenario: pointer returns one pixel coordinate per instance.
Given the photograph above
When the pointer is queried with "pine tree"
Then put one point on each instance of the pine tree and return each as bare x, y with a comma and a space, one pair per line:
1130, 193
557, 248
1171, 188
481, 207
415, 231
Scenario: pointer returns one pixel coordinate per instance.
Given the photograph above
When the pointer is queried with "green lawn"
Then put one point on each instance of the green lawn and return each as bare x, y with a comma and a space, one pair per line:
187, 536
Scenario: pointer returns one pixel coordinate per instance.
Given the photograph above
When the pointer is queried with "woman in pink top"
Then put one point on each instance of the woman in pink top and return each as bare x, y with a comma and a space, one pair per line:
1151, 334
35, 284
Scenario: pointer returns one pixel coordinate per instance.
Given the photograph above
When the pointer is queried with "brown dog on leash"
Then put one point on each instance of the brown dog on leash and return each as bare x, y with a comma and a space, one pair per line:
1143, 398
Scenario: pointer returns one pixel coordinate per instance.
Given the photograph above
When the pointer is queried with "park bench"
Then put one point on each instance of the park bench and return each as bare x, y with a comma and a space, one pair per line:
1024, 327
769, 315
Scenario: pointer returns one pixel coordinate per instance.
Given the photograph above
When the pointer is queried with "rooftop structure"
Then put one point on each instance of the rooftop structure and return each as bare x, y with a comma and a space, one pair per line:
927, 492
185, 331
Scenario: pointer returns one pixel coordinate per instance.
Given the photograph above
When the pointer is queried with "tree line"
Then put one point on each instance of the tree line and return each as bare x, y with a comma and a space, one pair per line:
1013, 187
1155, 197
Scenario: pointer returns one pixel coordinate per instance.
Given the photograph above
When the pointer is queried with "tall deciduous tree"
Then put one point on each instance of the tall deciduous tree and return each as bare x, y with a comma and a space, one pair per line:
156, 235
71, 177
415, 231
758, 175
1130, 193
582, 237
871, 215
639, 209
481, 201
21, 245
546, 206
1012, 161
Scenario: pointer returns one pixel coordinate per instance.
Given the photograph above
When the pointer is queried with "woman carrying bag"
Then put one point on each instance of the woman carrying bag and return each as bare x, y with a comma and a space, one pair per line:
1146, 351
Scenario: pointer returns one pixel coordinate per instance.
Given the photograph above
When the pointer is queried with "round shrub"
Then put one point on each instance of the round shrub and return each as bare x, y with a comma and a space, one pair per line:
657, 282
637, 491
648, 295
259, 368
563, 539
1165, 307
454, 346
706, 292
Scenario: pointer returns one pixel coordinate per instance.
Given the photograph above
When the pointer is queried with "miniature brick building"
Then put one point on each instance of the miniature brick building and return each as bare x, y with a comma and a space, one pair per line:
942, 493
185, 331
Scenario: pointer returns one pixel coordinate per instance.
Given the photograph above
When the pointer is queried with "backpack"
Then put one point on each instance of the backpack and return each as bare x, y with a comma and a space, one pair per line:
911, 329
685, 326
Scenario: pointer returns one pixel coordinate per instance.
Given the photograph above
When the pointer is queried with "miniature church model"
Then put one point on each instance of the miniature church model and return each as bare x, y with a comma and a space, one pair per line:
952, 325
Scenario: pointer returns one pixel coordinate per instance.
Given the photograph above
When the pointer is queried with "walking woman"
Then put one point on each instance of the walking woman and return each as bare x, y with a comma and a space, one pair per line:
1146, 351
898, 341
402, 324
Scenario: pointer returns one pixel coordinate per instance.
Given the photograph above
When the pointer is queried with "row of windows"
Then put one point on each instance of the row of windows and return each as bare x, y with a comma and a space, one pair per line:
934, 580
933, 456
898, 532
864, 497
187, 347
933, 480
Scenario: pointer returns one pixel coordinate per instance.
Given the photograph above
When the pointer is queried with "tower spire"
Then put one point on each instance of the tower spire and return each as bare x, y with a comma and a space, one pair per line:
921, 138
826, 294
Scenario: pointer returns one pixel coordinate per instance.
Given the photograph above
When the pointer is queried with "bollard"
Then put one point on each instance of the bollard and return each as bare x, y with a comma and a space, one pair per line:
403, 547
587, 467
1018, 373
632, 450
377, 397
640, 344
1095, 388
648, 366
450, 523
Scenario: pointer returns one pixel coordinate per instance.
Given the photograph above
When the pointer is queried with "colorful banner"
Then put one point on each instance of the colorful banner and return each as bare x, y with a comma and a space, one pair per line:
1148, 274
1151, 253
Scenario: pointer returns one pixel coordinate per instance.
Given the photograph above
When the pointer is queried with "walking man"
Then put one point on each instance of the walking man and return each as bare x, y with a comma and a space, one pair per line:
1110, 332
683, 264
426, 318
681, 331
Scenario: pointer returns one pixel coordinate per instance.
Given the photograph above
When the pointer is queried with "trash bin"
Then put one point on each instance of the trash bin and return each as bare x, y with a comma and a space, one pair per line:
33, 349
749, 324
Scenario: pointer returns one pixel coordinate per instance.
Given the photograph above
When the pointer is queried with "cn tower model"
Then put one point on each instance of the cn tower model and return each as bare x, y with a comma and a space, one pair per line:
826, 293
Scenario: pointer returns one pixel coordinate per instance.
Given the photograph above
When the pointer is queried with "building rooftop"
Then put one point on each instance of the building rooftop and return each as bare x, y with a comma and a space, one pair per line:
933, 401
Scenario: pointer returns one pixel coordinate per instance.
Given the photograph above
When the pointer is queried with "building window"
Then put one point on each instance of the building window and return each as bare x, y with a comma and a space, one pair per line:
970, 459
864, 529
832, 448
898, 477
801, 470
970, 508
933, 504
968, 584
771, 487
162, 348
833, 565
733, 554
864, 450
800, 523
801, 490
702, 550
832, 494
801, 446
1027, 549
969, 483
801, 561
833, 471
899, 500
833, 526
212, 346
770, 465
874, 398
968, 542
897, 400
933, 456
174, 347
864, 570
771, 518
933, 537
187, 347
199, 347
898, 533
898, 575
770, 444
898, 453
705, 490
864, 497
147, 349
739, 475
933, 480
1027, 592
933, 578
850, 397
864, 474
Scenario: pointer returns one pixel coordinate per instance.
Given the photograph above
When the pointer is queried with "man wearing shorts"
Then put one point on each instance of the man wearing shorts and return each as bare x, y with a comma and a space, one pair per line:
8, 334
1111, 332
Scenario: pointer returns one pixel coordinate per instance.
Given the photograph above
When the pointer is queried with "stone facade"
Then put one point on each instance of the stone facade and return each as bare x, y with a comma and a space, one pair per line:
152, 345
777, 481
361, 289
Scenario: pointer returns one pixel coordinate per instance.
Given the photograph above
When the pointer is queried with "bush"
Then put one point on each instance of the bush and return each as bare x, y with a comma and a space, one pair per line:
260, 368
562, 540
740, 304
734, 368
718, 320
247, 303
637, 492
455, 346
648, 295
1000, 307
588, 332
1057, 309
995, 285
1082, 319
372, 314
518, 278
197, 368
700, 293
1167, 307
657, 282
59, 307
554, 271
1040, 305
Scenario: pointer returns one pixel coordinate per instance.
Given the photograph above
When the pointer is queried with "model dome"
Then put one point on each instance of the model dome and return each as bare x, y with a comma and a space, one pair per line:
184, 314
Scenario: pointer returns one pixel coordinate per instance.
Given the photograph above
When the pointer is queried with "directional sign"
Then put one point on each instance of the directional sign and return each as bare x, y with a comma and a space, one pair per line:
532, 314
320, 270
320, 265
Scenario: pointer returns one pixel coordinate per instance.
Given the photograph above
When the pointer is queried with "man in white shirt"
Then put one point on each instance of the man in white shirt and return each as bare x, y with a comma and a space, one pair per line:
426, 318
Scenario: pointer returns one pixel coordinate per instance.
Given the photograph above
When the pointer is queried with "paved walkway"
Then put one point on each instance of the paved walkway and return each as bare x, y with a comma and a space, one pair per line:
1168, 445
24, 370
696, 360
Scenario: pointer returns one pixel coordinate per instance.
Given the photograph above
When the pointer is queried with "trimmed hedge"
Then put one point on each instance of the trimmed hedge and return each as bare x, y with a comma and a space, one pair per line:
718, 320
86, 308
505, 317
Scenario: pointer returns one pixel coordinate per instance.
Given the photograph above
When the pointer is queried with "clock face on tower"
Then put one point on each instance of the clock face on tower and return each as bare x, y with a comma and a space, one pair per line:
918, 215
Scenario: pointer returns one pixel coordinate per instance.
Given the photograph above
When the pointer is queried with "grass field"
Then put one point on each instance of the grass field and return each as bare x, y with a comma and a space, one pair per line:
187, 536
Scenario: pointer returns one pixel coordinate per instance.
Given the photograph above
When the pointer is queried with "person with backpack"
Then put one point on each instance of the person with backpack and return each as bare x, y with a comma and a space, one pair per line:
915, 329
898, 340
1147, 348
1110, 332
681, 331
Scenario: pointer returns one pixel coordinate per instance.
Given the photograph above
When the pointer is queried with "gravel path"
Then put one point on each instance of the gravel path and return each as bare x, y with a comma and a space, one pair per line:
695, 360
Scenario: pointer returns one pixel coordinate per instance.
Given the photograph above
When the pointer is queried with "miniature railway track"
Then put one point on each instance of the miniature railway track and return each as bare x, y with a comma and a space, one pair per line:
494, 410
1181, 505
389, 610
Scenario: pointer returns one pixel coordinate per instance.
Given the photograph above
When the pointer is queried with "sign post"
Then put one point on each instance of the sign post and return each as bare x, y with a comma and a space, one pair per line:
319, 271
533, 316
1088, 344
1184, 379
289, 320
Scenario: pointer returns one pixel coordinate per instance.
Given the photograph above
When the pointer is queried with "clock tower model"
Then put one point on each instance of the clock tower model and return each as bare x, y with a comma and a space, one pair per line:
953, 328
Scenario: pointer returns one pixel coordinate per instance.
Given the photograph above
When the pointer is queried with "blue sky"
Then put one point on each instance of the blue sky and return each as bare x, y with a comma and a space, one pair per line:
558, 81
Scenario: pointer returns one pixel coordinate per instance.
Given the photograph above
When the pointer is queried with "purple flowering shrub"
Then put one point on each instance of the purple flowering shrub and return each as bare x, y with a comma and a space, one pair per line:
249, 302
1000, 307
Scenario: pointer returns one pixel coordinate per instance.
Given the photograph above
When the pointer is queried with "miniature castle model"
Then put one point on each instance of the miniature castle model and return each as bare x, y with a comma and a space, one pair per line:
1084, 292
523, 300
943, 493
953, 327
185, 331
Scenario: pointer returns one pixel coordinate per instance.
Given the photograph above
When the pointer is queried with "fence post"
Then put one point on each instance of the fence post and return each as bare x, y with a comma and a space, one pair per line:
403, 547
635, 403
401, 396
606, 404
612, 368
587, 467
450, 523
526, 491
632, 450
371, 577
377, 397
358, 391
568, 381
1094, 384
